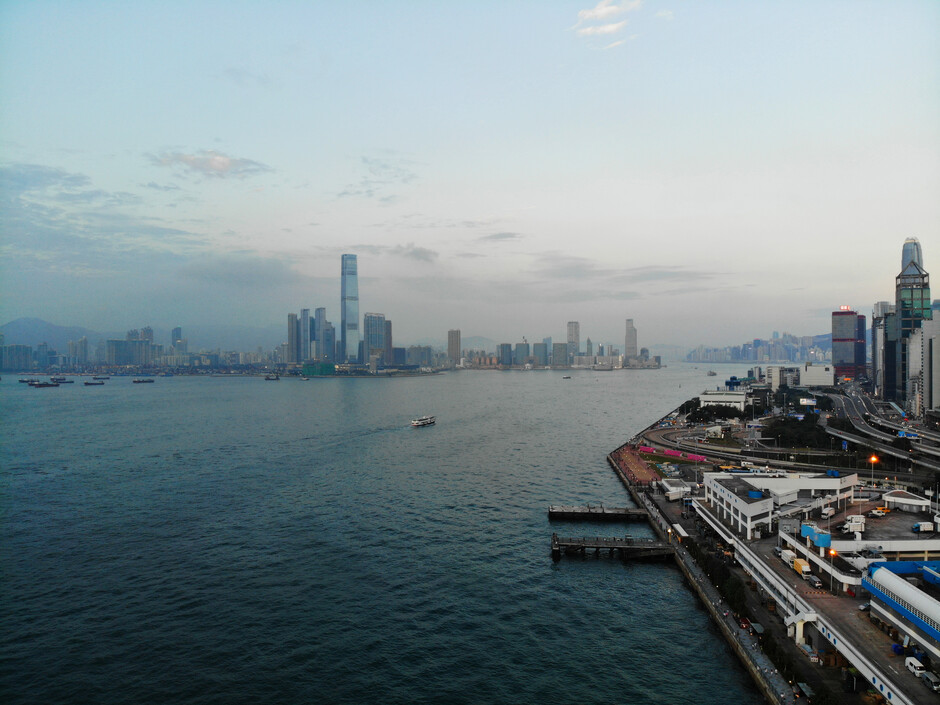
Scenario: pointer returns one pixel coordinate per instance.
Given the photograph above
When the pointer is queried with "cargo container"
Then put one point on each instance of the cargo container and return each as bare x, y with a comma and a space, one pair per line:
922, 527
802, 567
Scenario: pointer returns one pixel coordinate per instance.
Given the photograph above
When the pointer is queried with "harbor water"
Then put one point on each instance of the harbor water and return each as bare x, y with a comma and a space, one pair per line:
233, 540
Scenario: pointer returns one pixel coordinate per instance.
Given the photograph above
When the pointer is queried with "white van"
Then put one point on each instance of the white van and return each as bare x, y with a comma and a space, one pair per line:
931, 681
914, 666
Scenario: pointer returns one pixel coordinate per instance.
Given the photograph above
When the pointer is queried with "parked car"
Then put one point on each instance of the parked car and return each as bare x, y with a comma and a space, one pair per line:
876, 513
864, 607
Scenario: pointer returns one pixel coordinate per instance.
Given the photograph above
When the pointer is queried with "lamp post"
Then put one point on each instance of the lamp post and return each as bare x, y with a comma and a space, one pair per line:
873, 459
832, 552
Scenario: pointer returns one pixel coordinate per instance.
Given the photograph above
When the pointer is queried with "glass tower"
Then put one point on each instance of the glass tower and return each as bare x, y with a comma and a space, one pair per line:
349, 295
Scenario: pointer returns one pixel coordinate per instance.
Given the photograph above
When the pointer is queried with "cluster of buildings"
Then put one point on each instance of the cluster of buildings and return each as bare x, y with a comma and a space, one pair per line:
567, 355
779, 348
905, 341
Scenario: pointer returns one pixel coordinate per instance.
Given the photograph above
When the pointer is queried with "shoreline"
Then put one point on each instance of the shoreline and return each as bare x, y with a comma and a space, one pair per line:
769, 682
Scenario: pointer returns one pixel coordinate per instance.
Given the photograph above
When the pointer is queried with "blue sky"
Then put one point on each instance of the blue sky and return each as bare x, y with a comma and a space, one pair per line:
712, 170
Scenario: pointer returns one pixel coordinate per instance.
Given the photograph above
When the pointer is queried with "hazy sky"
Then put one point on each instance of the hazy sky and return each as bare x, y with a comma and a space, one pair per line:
713, 170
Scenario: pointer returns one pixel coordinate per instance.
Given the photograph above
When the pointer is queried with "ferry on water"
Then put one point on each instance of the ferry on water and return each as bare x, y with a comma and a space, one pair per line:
143, 380
423, 421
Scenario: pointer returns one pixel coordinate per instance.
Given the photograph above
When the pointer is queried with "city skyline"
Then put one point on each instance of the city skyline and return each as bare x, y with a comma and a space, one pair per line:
664, 162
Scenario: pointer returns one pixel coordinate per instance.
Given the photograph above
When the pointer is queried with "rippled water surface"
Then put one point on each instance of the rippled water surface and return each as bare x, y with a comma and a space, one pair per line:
231, 540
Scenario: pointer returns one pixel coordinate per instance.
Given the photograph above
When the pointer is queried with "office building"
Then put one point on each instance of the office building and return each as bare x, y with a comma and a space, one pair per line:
453, 346
292, 351
305, 334
373, 336
848, 343
349, 310
521, 355
540, 353
389, 348
879, 316
560, 355
629, 341
574, 339
504, 354
912, 306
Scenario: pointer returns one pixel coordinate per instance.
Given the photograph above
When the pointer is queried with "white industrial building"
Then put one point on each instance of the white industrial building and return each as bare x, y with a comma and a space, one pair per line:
817, 375
736, 400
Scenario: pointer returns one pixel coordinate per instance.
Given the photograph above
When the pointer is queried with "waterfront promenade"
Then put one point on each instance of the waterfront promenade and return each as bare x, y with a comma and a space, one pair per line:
637, 477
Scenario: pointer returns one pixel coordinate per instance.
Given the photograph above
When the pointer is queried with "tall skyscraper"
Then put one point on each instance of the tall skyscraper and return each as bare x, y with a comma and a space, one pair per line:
292, 354
879, 351
574, 339
629, 341
559, 355
911, 309
453, 346
304, 334
349, 313
911, 252
389, 348
176, 334
319, 323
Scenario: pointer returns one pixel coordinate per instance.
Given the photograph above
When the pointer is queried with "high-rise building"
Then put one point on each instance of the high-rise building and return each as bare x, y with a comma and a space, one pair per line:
879, 351
629, 341
292, 352
453, 346
389, 348
848, 343
504, 354
560, 354
176, 334
574, 339
521, 354
349, 313
327, 345
911, 308
911, 252
540, 353
319, 324
304, 334
589, 347
373, 336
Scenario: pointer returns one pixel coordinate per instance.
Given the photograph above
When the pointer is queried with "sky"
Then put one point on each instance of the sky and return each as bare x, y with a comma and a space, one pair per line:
713, 170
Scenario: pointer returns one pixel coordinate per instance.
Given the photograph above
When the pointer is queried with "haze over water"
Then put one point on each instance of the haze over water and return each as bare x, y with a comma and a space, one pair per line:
229, 540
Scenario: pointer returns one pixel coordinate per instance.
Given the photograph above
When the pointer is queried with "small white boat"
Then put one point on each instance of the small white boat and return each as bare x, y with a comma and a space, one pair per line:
566, 377
423, 421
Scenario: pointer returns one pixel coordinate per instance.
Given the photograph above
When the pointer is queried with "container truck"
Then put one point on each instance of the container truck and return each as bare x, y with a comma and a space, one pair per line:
802, 567
827, 512
788, 557
923, 527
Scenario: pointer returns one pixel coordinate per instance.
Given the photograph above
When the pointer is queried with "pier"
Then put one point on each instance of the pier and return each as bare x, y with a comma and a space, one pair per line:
626, 547
597, 513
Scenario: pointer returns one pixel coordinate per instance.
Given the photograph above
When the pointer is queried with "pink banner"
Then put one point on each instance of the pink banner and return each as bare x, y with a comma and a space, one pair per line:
647, 449
697, 458
677, 453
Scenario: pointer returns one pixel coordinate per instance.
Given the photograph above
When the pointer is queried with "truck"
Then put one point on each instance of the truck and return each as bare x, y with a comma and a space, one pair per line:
853, 526
788, 557
827, 512
802, 567
851, 518
922, 527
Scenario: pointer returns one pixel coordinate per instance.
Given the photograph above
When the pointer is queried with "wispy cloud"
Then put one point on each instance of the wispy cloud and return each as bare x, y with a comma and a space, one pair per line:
240, 271
210, 163
381, 173
243, 77
500, 237
665, 14
409, 251
606, 9
161, 187
595, 30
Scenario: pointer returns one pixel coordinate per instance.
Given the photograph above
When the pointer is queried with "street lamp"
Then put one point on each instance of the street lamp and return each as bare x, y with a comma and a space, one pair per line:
832, 552
873, 459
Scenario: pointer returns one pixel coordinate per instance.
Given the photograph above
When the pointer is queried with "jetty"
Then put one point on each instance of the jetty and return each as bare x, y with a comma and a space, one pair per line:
590, 512
626, 547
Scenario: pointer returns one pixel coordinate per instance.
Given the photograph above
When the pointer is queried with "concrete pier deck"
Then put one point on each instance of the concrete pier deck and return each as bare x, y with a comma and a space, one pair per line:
626, 547
591, 512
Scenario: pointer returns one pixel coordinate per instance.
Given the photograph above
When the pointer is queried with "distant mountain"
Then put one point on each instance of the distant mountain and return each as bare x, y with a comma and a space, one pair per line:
35, 331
